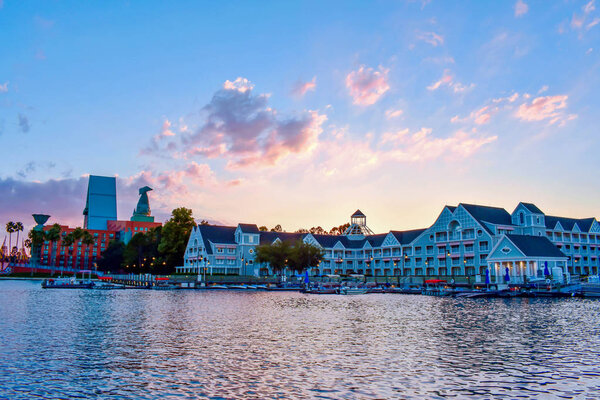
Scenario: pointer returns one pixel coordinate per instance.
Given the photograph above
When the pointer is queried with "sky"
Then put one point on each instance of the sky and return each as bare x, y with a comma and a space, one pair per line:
299, 113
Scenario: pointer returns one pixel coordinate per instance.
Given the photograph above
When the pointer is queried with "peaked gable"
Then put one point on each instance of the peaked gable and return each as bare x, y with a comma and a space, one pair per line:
505, 249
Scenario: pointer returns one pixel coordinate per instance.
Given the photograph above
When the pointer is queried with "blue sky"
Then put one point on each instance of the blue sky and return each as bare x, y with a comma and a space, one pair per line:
300, 112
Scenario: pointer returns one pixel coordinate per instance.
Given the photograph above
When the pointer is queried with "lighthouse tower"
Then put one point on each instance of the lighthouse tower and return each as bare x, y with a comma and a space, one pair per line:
358, 228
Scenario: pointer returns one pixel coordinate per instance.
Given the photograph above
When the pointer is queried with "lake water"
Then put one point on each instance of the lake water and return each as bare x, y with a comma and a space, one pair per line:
229, 344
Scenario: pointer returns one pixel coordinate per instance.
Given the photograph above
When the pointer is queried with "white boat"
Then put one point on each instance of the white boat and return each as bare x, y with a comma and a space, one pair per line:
353, 290
243, 287
214, 287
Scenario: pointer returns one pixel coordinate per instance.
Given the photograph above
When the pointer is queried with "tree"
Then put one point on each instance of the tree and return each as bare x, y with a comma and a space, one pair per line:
10, 228
88, 240
302, 230
339, 230
263, 228
53, 236
277, 255
76, 235
18, 227
305, 255
204, 222
67, 241
174, 237
277, 228
317, 231
112, 258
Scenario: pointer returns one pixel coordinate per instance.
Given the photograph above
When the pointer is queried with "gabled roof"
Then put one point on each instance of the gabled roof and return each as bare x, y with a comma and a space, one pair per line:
585, 224
494, 215
358, 213
376, 240
451, 208
535, 246
270, 237
405, 237
249, 228
532, 208
216, 234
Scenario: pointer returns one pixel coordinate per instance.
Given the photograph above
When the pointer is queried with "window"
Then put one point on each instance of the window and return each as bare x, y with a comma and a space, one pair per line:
522, 218
219, 250
483, 246
468, 248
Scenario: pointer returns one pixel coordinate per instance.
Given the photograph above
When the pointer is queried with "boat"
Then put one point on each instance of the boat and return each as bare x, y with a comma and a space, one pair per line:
353, 290
213, 287
165, 287
238, 287
322, 290
67, 283
436, 287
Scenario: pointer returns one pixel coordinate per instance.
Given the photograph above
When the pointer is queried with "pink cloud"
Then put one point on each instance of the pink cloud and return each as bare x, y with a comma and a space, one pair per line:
300, 88
431, 37
367, 85
242, 85
4, 87
391, 113
240, 127
521, 8
447, 79
545, 108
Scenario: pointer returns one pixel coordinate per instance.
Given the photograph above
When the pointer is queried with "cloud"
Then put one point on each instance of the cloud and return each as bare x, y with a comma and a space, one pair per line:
422, 146
391, 113
61, 198
431, 37
510, 99
24, 125
242, 85
447, 79
542, 108
300, 88
367, 85
33, 166
4, 87
578, 22
521, 8
239, 126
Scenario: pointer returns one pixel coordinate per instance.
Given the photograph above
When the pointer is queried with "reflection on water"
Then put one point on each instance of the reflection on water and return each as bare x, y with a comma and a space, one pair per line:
227, 344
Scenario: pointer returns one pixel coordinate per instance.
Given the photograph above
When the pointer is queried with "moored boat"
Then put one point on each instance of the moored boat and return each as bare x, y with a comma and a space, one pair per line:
353, 290
66, 283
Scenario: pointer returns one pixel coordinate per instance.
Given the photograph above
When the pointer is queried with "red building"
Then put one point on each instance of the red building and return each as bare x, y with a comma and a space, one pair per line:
127, 229
78, 255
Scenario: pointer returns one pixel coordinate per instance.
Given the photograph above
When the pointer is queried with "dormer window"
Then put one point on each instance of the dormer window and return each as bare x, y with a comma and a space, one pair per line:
522, 218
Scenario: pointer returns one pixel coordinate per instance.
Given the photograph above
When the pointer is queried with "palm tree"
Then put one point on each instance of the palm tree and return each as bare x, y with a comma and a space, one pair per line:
67, 241
18, 227
53, 236
10, 228
77, 234
88, 240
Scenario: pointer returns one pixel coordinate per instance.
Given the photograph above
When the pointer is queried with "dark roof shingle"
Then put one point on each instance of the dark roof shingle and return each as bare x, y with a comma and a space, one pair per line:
535, 246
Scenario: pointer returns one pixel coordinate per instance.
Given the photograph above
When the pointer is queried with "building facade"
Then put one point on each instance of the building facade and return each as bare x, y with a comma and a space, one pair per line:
465, 240
100, 220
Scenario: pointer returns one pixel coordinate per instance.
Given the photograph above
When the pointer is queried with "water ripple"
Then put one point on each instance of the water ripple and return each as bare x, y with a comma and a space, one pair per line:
221, 345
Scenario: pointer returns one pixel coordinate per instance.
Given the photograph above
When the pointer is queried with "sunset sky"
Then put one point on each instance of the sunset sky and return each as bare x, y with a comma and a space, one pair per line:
299, 113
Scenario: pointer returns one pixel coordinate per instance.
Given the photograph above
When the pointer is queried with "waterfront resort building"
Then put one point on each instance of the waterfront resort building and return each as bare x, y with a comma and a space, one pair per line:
100, 220
467, 240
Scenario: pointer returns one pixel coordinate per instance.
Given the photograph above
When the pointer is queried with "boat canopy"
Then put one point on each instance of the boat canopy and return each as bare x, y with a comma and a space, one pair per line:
435, 281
